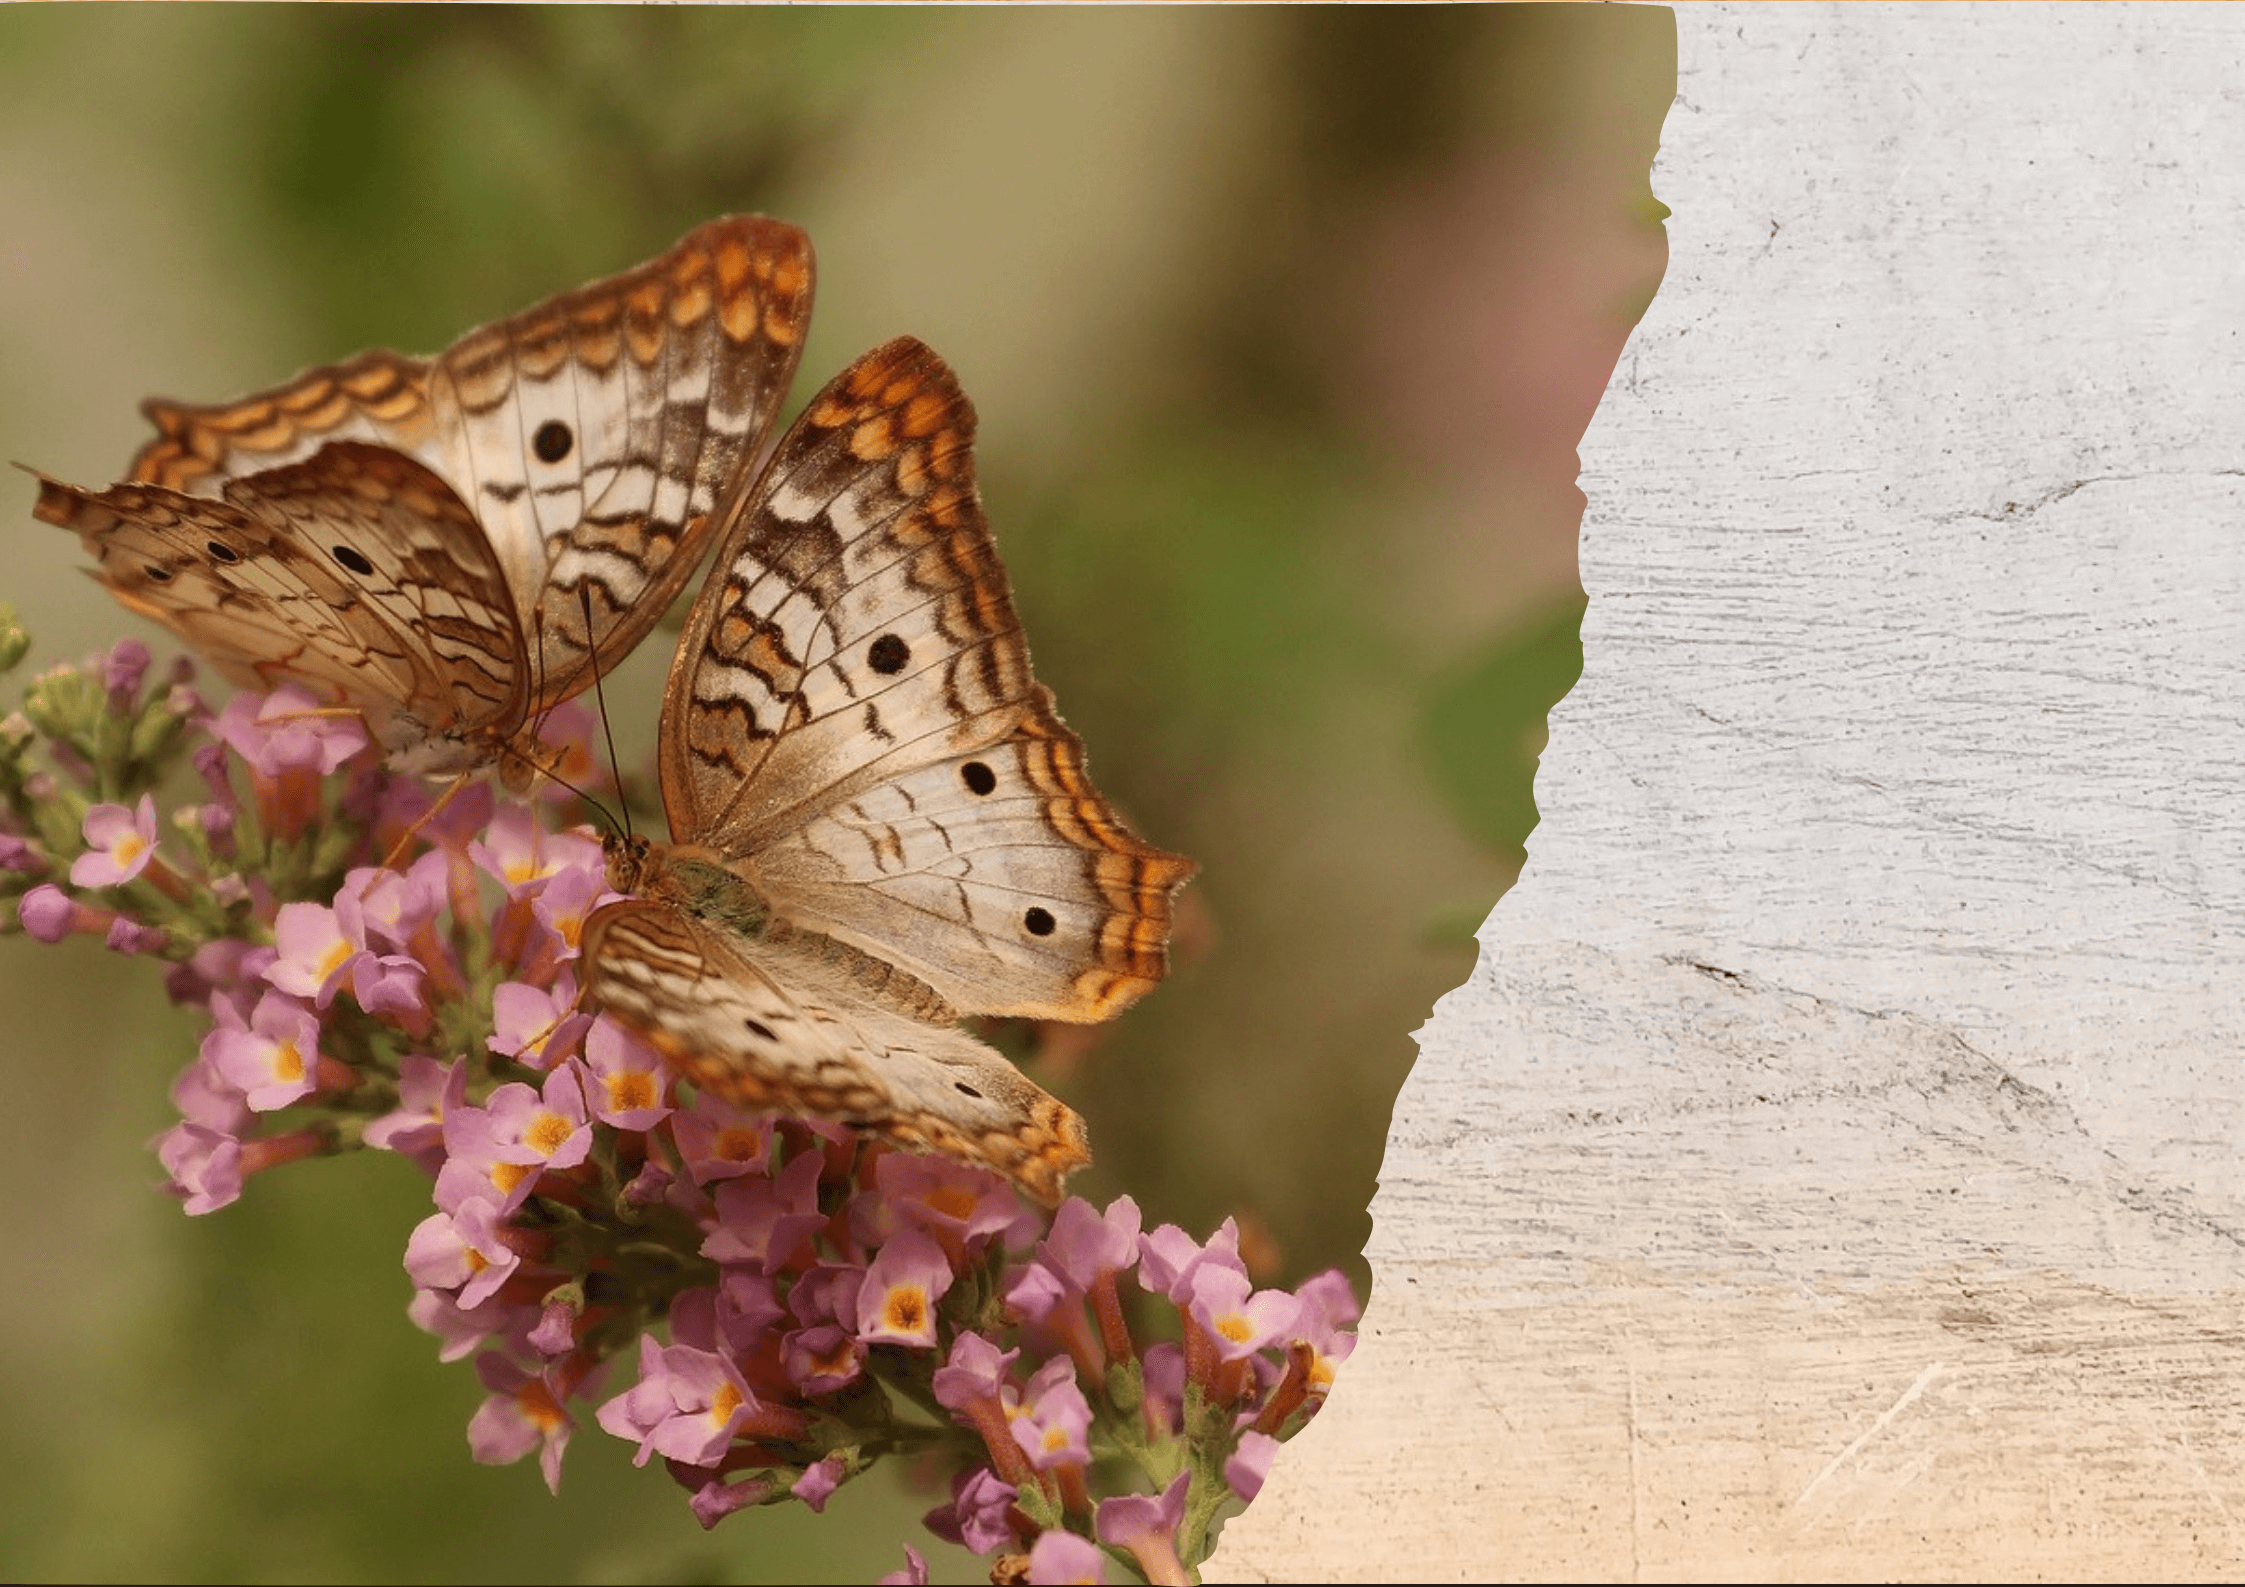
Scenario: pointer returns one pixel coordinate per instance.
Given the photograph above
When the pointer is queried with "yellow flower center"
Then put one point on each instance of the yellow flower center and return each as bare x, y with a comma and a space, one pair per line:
739, 1146
1236, 1328
906, 1309
129, 848
634, 1088
508, 1175
546, 1134
953, 1202
727, 1402
288, 1063
538, 1406
333, 960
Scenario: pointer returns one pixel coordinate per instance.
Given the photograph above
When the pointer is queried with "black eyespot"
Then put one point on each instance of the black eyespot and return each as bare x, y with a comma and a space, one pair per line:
352, 560
157, 574
224, 552
760, 1030
1039, 921
552, 442
978, 777
889, 654
966, 1090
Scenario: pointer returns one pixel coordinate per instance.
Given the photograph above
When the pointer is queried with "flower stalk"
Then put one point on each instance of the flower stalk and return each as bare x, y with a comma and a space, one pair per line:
770, 1305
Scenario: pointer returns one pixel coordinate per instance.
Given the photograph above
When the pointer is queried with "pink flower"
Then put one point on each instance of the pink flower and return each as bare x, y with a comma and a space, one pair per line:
1164, 1366
1250, 1464
689, 1405
483, 1161
1148, 1529
465, 1252
627, 1082
459, 1329
977, 1371
1059, 1556
822, 1360
1053, 1422
720, 1142
827, 1293
537, 1025
390, 908
316, 954
121, 672
20, 855
204, 1096
521, 855
130, 936
961, 1207
571, 893
736, 1318
522, 1413
49, 914
766, 1222
980, 1514
1238, 1322
818, 1482
415, 1128
120, 844
1085, 1244
897, 1304
1169, 1257
273, 1058
290, 730
547, 1125
204, 1165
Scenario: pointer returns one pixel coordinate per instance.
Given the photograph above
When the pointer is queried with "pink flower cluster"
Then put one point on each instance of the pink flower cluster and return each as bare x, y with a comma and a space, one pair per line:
826, 1300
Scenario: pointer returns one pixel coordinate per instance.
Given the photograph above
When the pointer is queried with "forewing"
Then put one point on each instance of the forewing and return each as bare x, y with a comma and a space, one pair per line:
358, 572
598, 438
603, 436
776, 1025
851, 716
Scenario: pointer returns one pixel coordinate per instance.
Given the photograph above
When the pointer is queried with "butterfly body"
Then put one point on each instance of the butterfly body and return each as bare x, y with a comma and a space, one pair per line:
881, 823
451, 546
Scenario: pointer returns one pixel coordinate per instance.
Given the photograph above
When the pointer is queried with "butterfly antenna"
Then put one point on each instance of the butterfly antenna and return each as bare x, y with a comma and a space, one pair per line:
405, 840
600, 703
541, 769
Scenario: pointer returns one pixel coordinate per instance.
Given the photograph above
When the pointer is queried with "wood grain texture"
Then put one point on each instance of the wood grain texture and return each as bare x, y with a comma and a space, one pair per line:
1833, 1167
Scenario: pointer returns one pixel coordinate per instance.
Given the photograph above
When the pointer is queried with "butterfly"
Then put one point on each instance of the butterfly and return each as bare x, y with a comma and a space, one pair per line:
879, 822
451, 546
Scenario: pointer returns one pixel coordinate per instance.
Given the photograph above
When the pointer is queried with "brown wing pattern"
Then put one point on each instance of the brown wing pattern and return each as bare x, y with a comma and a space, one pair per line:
778, 1025
608, 431
852, 719
598, 439
358, 572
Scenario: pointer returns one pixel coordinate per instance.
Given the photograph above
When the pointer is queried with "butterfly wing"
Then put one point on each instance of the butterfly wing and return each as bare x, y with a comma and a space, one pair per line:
775, 1024
598, 438
358, 572
852, 723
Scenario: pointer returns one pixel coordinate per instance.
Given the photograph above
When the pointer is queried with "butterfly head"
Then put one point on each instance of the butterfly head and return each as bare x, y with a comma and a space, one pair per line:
629, 860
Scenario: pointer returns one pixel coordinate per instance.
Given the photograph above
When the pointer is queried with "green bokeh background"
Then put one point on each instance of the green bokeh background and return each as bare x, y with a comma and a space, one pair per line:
1282, 324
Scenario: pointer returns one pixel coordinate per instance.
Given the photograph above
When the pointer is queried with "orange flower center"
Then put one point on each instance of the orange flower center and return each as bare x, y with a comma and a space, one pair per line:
634, 1088
546, 1134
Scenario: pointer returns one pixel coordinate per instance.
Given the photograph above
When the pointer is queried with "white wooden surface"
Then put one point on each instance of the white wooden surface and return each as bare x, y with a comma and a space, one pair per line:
1834, 1166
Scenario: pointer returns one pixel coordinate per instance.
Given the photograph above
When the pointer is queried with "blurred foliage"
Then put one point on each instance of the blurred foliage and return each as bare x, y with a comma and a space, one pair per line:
1286, 490
1483, 726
